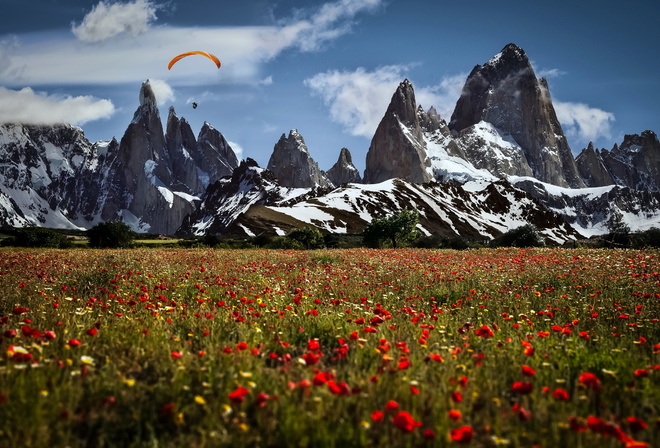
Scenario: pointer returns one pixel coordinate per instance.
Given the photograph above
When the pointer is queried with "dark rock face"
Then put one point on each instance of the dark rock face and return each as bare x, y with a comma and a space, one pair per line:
506, 93
344, 172
292, 164
228, 198
592, 168
398, 148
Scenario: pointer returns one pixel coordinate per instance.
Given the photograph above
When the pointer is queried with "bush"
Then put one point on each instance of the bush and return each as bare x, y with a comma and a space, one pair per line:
38, 237
308, 237
396, 229
523, 236
116, 235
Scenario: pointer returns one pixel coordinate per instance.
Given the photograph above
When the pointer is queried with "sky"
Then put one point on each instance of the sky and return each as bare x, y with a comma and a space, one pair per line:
327, 68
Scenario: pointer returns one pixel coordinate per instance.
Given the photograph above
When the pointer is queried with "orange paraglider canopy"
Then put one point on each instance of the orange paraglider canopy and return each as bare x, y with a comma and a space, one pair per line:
190, 53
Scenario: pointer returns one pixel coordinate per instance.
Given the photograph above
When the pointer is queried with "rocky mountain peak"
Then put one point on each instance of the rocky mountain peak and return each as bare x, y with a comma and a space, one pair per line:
398, 148
292, 164
148, 105
344, 172
505, 93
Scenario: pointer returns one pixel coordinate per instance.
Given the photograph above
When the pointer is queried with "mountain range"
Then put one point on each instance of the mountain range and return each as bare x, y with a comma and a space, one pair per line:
501, 161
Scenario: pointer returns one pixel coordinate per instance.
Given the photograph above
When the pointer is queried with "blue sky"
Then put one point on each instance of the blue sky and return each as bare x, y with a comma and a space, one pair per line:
327, 68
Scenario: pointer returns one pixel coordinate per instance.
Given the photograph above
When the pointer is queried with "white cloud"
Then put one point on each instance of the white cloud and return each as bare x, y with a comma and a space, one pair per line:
238, 149
442, 96
163, 92
582, 122
330, 21
59, 58
110, 19
29, 107
357, 100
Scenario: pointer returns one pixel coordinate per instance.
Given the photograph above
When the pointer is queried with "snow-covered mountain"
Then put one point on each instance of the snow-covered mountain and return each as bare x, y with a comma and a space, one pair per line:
501, 161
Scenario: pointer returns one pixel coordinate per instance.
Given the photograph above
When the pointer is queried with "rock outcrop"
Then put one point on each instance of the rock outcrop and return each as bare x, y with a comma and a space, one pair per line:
292, 164
398, 148
344, 172
505, 93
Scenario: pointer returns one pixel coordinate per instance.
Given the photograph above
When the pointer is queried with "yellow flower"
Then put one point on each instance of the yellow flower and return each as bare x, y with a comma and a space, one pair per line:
200, 400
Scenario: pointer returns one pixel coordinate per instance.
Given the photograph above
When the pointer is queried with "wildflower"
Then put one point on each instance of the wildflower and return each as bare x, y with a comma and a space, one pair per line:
18, 310
636, 424
641, 373
405, 422
391, 406
91, 332
49, 335
455, 415
528, 371
200, 400
176, 355
590, 381
238, 395
377, 416
484, 332
456, 397
74, 342
429, 434
560, 395
522, 388
463, 434
311, 358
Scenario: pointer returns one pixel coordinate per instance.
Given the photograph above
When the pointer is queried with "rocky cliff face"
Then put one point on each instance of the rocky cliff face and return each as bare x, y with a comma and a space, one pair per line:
344, 172
505, 93
592, 168
398, 148
292, 164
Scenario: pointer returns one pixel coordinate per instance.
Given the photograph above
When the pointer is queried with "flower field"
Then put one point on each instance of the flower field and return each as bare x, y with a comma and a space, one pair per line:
333, 348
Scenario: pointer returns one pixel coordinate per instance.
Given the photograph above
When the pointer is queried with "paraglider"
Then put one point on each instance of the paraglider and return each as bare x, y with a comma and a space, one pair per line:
190, 53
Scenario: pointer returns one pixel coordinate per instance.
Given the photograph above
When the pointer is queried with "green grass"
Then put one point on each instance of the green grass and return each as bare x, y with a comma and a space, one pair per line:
178, 332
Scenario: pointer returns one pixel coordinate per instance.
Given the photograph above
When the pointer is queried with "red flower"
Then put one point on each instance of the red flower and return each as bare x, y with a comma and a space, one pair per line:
484, 332
10, 334
405, 422
18, 310
311, 358
636, 424
641, 373
463, 434
241, 346
429, 434
456, 397
377, 416
176, 355
313, 345
50, 335
522, 387
391, 406
590, 380
74, 342
455, 415
528, 371
560, 395
92, 332
238, 396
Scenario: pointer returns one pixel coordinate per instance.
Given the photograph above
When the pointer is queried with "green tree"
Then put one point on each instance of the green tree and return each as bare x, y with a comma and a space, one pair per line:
523, 236
619, 232
309, 237
38, 237
396, 229
115, 235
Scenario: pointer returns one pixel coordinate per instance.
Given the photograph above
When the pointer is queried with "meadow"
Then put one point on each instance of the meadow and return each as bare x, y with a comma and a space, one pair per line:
332, 348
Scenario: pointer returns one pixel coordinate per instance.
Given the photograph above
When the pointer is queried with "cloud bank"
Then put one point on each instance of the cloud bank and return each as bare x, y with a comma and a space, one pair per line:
110, 19
116, 43
358, 99
29, 107
583, 123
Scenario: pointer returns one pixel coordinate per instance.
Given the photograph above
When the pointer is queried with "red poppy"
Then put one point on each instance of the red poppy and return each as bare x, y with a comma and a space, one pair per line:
74, 342
560, 395
455, 415
50, 335
590, 380
463, 434
18, 310
429, 434
636, 424
405, 422
391, 406
456, 397
522, 387
528, 371
377, 416
92, 332
641, 373
176, 354
484, 332
238, 396
311, 358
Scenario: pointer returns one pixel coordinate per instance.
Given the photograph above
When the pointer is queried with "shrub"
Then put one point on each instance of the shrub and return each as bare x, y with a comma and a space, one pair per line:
115, 235
523, 236
37, 237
